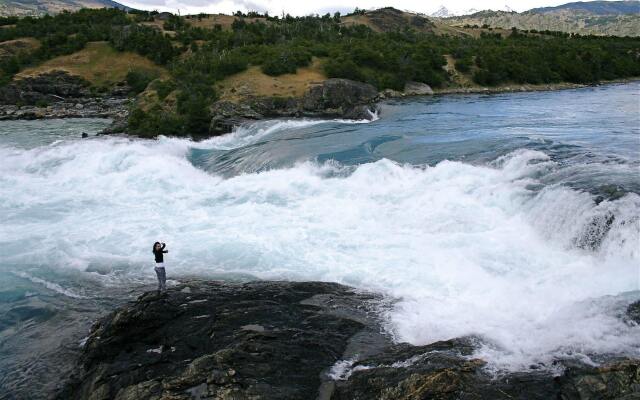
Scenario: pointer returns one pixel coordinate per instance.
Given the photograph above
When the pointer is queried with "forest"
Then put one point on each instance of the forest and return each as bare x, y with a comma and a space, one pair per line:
198, 57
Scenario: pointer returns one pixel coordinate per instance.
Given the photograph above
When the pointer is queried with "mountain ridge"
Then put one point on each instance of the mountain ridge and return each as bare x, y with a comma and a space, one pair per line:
614, 18
23, 8
627, 7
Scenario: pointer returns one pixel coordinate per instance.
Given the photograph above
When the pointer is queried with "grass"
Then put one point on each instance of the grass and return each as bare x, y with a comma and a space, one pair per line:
13, 47
98, 63
225, 21
253, 82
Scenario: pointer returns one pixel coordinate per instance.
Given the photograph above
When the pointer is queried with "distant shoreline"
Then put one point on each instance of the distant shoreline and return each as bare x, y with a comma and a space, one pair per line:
116, 107
523, 88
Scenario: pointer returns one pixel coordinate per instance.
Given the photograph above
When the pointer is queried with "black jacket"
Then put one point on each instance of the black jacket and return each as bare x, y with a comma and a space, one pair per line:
159, 253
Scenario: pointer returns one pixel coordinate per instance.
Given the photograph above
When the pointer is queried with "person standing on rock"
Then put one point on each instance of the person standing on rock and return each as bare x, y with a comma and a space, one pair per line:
158, 252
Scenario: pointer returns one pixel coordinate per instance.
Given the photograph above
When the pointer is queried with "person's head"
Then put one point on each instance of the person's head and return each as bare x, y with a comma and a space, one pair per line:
156, 246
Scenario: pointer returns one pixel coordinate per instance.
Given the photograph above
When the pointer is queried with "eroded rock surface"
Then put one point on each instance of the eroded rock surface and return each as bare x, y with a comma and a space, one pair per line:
58, 94
300, 340
264, 340
447, 370
334, 98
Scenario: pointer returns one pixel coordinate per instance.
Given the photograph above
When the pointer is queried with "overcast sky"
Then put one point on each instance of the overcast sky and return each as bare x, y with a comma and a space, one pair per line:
305, 7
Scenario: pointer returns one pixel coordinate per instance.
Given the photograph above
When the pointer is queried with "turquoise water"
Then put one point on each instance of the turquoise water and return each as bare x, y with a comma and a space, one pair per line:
513, 217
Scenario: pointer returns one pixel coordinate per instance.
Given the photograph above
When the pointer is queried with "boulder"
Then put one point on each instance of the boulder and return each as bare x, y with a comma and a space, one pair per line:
338, 94
417, 89
390, 94
226, 115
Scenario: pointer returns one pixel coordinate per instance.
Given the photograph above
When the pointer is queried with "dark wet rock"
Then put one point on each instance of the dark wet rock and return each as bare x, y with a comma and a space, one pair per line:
304, 340
227, 114
119, 123
633, 312
80, 108
446, 370
263, 340
58, 94
339, 96
620, 381
50, 87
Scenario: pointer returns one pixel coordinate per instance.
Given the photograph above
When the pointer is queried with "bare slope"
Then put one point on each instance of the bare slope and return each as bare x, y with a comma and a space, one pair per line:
98, 63
41, 7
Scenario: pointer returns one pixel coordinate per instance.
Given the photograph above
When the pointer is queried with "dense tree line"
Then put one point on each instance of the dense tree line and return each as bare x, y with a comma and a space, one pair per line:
198, 57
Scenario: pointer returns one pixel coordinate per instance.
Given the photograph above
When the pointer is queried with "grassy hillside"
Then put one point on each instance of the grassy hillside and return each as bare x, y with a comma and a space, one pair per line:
13, 48
99, 64
254, 82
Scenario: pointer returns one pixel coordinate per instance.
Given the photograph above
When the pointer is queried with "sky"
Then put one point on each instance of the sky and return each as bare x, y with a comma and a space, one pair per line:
306, 7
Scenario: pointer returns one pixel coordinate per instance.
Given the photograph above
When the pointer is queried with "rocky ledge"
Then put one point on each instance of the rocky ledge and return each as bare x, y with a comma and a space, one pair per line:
58, 94
333, 98
307, 340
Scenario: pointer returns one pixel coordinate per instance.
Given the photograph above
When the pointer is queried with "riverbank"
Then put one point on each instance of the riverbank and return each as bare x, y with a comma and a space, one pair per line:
302, 340
512, 88
334, 98
58, 94
79, 108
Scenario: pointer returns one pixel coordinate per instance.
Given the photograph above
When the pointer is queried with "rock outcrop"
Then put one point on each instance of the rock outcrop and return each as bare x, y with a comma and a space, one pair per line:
633, 312
55, 86
263, 340
304, 340
445, 370
334, 98
58, 94
80, 108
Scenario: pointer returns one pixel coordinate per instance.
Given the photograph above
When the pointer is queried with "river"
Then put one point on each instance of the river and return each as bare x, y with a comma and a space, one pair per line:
513, 217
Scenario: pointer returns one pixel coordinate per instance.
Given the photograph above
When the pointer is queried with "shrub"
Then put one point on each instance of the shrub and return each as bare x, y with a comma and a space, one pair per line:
138, 79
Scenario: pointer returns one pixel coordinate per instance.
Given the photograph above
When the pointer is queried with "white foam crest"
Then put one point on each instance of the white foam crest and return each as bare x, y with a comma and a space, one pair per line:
50, 285
250, 133
464, 248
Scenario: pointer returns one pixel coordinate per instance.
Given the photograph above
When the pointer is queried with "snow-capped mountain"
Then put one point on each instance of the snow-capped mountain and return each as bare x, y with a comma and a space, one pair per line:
441, 12
445, 12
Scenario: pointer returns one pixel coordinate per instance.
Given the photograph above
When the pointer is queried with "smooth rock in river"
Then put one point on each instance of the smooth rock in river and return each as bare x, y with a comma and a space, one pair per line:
417, 89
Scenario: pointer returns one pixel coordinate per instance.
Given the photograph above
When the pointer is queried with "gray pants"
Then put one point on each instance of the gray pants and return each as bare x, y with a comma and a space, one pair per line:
162, 278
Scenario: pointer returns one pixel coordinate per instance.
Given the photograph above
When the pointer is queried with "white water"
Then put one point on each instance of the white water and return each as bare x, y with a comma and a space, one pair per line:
465, 249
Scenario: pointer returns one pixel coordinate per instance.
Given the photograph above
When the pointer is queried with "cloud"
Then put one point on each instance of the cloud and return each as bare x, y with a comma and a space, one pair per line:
297, 7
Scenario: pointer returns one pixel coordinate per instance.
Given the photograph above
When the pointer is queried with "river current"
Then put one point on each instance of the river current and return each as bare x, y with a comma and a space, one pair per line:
511, 217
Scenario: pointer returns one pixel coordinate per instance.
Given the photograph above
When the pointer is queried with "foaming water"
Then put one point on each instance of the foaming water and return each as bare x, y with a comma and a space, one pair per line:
529, 242
465, 249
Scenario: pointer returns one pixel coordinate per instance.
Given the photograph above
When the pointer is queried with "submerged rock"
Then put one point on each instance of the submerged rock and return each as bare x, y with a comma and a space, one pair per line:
299, 340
